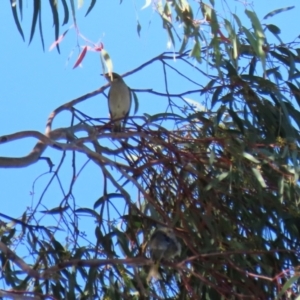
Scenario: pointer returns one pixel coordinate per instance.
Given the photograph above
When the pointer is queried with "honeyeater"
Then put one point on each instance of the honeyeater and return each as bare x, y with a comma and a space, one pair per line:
163, 244
119, 101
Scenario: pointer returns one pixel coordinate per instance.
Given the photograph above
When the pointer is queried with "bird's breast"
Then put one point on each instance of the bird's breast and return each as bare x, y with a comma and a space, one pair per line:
119, 100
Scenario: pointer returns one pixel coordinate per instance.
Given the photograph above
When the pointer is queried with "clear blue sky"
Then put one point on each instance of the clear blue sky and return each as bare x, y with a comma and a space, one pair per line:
34, 83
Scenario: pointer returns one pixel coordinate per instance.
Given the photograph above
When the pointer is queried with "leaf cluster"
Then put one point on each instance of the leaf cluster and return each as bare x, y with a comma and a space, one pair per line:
224, 175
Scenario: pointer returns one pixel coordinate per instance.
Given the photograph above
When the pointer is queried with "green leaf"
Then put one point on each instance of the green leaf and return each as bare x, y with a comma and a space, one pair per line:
108, 244
251, 157
104, 198
66, 12
7, 238
210, 14
165, 116
273, 28
24, 221
272, 71
60, 250
93, 2
56, 210
258, 41
216, 181
98, 234
216, 95
295, 91
79, 3
252, 40
265, 85
292, 67
133, 220
88, 211
259, 177
91, 279
21, 8
41, 31
295, 76
168, 27
233, 51
106, 61
252, 66
212, 155
32, 241
285, 51
237, 120
287, 120
237, 20
147, 3
281, 58
54, 9
122, 242
255, 23
231, 69
220, 113
196, 51
73, 10
290, 57
208, 87
15, 15
277, 11
288, 285
138, 28
79, 252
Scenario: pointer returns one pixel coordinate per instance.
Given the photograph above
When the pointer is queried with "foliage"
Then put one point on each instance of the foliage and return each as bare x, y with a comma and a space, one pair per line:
223, 174
68, 9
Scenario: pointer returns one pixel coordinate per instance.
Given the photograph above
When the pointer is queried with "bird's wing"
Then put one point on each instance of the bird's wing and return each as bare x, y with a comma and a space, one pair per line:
127, 115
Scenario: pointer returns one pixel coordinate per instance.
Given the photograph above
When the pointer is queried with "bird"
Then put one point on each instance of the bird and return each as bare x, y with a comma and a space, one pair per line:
163, 244
119, 101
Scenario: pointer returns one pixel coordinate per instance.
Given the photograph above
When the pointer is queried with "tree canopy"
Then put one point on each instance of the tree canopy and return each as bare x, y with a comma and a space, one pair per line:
218, 164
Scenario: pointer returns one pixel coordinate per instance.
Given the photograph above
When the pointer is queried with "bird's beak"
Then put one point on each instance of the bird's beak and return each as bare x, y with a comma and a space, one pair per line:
108, 76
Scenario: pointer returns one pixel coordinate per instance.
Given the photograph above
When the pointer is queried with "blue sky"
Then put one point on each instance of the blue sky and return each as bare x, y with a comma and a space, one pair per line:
34, 83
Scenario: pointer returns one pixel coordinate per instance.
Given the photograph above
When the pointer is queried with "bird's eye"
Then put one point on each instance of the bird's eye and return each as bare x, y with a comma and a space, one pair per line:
167, 239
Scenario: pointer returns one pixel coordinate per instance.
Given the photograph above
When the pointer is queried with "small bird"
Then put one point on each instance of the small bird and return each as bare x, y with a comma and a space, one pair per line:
119, 101
163, 244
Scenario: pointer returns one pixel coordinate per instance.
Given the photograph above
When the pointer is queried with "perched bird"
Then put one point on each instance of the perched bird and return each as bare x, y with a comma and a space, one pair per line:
119, 101
163, 244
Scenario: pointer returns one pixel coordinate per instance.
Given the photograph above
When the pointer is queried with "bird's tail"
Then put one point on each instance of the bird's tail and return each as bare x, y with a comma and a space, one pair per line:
153, 273
117, 127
